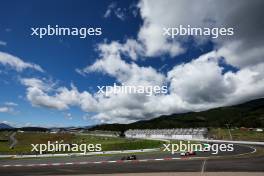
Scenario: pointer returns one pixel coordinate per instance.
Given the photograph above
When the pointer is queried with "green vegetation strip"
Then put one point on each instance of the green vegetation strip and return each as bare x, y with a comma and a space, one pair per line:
108, 143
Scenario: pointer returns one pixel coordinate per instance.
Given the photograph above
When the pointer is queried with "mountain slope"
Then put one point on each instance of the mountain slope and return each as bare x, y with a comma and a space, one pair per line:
249, 114
5, 126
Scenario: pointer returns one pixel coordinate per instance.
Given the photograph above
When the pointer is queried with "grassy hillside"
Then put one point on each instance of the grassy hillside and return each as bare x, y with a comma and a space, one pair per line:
237, 134
250, 114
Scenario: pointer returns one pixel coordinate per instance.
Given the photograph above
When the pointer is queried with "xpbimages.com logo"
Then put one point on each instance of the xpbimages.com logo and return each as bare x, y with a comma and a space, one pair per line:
199, 147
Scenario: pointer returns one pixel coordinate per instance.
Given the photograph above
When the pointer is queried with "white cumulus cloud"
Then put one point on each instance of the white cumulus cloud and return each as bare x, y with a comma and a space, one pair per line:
17, 63
6, 109
200, 84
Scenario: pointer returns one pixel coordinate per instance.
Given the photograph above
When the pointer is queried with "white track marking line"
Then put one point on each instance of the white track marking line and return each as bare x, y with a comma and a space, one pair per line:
7, 165
175, 158
203, 167
68, 163
159, 159
56, 164
42, 164
111, 161
143, 160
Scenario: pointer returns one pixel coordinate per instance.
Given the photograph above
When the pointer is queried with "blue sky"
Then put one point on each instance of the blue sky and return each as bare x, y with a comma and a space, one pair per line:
59, 56
201, 73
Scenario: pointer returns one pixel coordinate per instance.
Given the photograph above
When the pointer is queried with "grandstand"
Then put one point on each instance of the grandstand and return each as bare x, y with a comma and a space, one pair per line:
176, 133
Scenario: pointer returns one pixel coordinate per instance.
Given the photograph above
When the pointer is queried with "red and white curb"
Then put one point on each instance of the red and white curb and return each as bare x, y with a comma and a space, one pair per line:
94, 162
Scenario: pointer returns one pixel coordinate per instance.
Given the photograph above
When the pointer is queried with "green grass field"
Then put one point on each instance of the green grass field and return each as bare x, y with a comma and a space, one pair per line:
108, 143
237, 134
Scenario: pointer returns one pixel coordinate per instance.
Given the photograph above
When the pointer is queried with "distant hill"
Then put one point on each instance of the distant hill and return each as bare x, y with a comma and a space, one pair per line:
249, 114
38, 129
5, 126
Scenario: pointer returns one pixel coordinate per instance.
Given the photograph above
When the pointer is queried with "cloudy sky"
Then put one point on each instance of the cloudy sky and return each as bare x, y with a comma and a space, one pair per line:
53, 81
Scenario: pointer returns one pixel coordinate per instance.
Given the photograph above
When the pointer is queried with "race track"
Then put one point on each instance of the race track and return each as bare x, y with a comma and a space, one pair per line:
151, 162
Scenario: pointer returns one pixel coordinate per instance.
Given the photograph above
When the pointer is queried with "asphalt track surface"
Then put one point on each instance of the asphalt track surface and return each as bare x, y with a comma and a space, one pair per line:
158, 162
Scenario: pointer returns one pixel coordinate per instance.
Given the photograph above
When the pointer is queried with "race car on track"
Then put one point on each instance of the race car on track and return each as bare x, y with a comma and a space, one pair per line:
188, 153
130, 157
